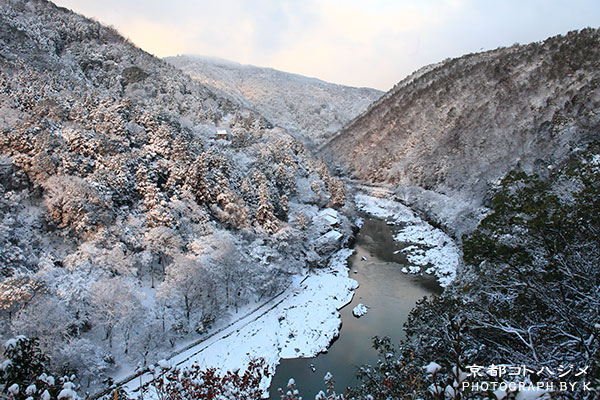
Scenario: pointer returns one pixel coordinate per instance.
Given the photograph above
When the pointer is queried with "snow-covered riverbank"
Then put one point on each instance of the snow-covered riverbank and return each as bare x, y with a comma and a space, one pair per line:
429, 249
301, 322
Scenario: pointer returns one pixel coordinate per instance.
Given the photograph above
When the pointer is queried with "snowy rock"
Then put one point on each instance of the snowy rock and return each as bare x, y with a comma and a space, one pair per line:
435, 389
432, 368
450, 392
359, 310
67, 393
328, 242
359, 222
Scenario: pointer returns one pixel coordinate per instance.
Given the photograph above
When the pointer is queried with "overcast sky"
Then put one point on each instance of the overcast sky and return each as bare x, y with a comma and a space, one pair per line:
373, 43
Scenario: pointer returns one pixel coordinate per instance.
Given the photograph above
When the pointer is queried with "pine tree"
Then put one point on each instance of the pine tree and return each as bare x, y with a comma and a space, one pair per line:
264, 213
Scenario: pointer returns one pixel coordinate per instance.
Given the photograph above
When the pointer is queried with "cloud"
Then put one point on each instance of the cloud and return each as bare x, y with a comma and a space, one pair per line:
362, 43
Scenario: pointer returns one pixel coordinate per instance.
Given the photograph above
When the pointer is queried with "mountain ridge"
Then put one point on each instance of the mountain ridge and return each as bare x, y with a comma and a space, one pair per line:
458, 126
309, 108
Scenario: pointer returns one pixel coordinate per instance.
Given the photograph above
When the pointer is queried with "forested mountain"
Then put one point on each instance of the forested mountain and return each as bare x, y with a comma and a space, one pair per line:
503, 150
457, 127
140, 207
125, 223
310, 109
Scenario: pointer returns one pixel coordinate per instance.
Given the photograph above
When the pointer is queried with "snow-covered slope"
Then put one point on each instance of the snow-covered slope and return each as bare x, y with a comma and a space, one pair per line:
126, 226
460, 125
308, 108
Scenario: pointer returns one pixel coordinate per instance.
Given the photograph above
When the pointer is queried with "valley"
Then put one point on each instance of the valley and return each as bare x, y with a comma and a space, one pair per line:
199, 227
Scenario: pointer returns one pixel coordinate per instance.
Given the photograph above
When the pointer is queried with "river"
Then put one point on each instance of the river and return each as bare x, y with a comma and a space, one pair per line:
389, 294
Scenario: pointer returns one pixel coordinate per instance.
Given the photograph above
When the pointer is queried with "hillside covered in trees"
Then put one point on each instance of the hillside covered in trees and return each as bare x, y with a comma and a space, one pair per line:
445, 135
127, 226
308, 108
130, 224
501, 150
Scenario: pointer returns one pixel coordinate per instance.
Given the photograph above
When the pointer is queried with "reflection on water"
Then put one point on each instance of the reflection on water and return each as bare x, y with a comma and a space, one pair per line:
389, 294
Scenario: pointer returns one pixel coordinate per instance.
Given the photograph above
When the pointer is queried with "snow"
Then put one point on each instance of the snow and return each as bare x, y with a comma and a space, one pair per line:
333, 235
385, 209
450, 392
67, 393
432, 367
433, 248
5, 364
435, 389
13, 389
329, 216
427, 247
500, 394
359, 222
301, 322
47, 379
359, 310
31, 389
13, 341
308, 108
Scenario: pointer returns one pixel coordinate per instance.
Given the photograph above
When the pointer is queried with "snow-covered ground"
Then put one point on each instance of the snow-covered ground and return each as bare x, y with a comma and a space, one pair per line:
429, 249
301, 322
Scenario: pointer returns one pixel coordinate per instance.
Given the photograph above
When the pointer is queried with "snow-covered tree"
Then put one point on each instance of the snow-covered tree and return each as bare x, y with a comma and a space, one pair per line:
72, 203
16, 292
264, 213
185, 285
165, 243
116, 308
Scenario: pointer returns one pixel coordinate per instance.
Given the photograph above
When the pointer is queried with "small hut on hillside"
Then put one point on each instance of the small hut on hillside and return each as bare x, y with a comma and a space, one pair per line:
222, 133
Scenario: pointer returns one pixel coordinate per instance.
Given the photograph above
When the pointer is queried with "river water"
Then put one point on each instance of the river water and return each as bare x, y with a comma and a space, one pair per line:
389, 294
